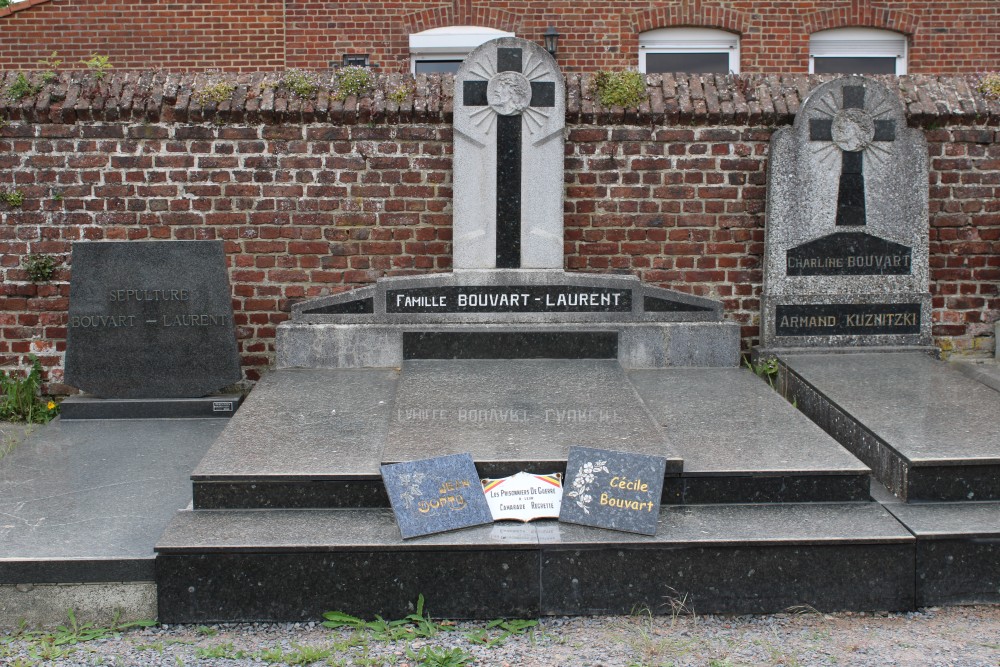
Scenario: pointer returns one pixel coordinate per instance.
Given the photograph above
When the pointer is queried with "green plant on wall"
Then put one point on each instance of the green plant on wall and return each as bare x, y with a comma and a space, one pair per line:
22, 87
989, 85
401, 92
626, 88
21, 399
303, 84
40, 268
217, 92
13, 198
98, 64
49, 66
352, 80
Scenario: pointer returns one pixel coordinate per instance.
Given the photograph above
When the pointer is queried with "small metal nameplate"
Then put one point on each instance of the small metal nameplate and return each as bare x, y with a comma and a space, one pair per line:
222, 406
524, 496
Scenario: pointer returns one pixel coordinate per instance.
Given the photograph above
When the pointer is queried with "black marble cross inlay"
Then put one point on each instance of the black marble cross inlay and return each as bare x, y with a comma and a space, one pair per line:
508, 204
851, 192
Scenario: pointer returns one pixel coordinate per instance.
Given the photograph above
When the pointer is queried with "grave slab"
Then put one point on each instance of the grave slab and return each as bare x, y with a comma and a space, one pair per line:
906, 415
763, 450
89, 407
831, 555
302, 438
518, 415
150, 319
85, 501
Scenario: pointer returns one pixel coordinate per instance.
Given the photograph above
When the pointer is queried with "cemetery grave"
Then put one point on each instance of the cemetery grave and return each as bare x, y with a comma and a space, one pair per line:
343, 480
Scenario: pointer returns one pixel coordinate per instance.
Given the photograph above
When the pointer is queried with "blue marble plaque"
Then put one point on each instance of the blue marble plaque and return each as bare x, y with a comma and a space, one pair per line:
436, 495
615, 490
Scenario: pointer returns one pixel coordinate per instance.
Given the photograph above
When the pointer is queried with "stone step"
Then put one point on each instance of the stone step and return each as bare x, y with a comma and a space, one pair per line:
958, 549
315, 438
928, 431
293, 565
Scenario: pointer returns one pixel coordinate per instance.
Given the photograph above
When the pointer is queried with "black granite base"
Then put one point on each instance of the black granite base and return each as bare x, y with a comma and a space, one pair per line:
958, 571
302, 586
722, 580
90, 407
510, 345
287, 494
776, 489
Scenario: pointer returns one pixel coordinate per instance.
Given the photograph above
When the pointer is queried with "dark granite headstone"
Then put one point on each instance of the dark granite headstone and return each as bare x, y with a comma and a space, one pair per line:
846, 243
436, 495
615, 490
150, 320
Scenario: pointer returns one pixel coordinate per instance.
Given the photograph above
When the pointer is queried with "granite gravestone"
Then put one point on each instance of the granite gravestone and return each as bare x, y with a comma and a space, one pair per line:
436, 495
616, 490
510, 108
846, 244
150, 320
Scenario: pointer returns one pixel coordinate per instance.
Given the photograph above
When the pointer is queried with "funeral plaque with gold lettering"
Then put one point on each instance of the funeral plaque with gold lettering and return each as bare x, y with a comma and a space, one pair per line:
436, 495
150, 319
616, 490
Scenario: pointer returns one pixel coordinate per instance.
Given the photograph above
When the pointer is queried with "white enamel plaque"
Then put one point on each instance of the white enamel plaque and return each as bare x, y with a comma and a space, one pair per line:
524, 496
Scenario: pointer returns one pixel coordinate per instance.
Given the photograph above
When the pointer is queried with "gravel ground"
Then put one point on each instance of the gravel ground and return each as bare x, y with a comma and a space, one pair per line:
965, 636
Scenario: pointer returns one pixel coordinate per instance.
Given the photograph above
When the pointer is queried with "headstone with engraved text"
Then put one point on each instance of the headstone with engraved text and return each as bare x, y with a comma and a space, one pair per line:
150, 320
846, 247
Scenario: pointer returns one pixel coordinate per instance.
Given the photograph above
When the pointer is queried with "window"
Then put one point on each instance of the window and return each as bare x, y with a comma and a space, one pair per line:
443, 49
694, 50
355, 60
857, 51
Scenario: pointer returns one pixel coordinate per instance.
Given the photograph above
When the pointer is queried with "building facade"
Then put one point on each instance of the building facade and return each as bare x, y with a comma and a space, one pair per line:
789, 36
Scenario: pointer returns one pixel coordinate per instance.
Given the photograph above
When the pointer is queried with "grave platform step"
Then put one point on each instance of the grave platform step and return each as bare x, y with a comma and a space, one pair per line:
928, 431
957, 549
293, 565
315, 438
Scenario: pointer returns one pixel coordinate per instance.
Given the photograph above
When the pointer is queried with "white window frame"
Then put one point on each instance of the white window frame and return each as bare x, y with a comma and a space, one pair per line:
449, 43
690, 40
859, 43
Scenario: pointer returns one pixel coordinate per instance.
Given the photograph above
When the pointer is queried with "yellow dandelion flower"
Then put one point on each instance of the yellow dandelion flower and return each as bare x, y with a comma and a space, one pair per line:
51, 405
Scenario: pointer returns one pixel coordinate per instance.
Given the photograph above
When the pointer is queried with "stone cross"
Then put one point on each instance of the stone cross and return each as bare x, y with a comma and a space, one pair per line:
508, 168
852, 129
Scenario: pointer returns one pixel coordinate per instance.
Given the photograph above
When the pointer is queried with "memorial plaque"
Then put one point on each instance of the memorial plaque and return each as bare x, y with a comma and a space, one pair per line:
849, 254
509, 299
615, 490
436, 495
151, 319
524, 496
848, 319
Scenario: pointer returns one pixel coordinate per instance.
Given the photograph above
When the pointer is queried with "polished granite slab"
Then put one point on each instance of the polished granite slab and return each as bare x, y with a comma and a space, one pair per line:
303, 437
987, 372
264, 564
928, 431
86, 500
958, 550
517, 415
759, 449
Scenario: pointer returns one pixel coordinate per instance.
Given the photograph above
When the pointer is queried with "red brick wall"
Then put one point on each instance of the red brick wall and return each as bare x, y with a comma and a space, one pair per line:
321, 196
946, 36
140, 34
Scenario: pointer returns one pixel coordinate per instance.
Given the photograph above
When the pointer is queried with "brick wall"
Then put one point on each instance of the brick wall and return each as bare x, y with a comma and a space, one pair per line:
318, 196
945, 36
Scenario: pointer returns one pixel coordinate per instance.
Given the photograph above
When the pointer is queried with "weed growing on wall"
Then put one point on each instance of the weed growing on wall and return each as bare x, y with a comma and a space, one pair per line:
99, 65
352, 80
401, 92
989, 85
626, 88
13, 198
49, 66
21, 88
40, 268
216, 92
300, 83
